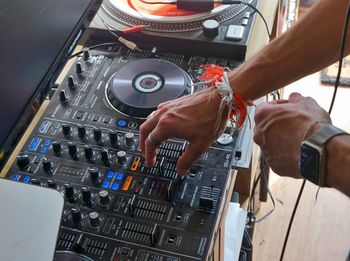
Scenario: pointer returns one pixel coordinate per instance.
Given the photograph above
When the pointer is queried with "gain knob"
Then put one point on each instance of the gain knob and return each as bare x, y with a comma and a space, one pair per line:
89, 153
76, 215
94, 218
23, 160
210, 28
95, 175
105, 157
47, 165
121, 157
104, 197
78, 68
98, 135
113, 136
129, 139
66, 129
87, 196
63, 97
57, 147
73, 150
70, 193
71, 82
82, 132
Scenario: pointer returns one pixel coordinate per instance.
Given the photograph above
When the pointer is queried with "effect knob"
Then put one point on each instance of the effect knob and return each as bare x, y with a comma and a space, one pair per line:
87, 196
66, 129
210, 28
113, 136
57, 147
70, 192
23, 160
98, 135
47, 165
104, 197
89, 153
105, 157
51, 183
94, 218
121, 157
71, 82
95, 175
78, 68
63, 97
82, 132
86, 54
73, 150
76, 215
129, 139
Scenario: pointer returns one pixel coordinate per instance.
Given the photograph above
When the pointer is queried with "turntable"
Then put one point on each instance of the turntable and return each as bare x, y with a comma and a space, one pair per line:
221, 32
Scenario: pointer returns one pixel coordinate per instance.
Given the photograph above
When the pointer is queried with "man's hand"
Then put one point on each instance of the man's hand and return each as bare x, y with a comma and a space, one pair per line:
280, 128
191, 118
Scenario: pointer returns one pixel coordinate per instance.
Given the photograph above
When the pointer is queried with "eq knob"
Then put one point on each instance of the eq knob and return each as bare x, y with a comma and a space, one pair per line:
73, 150
105, 157
87, 196
95, 175
47, 165
63, 97
78, 68
89, 153
71, 82
57, 147
98, 135
82, 132
51, 183
121, 157
113, 136
70, 192
94, 219
66, 129
23, 160
76, 215
129, 139
210, 28
104, 197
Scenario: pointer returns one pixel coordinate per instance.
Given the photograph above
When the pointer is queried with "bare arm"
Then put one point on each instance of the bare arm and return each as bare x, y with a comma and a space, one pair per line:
310, 45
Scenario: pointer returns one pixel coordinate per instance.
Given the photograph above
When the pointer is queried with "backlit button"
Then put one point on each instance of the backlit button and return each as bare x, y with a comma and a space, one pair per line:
121, 123
127, 183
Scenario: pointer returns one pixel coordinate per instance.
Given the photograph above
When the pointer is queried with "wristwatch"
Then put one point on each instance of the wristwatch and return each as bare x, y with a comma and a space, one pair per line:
313, 154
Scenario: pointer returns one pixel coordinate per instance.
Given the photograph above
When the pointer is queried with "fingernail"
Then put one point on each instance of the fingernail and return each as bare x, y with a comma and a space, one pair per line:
181, 172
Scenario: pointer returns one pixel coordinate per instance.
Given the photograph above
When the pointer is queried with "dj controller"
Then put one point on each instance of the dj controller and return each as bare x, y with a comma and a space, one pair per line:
86, 146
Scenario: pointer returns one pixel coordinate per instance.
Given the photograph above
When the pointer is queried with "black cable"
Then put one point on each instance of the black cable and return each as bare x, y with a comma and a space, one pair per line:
93, 47
342, 51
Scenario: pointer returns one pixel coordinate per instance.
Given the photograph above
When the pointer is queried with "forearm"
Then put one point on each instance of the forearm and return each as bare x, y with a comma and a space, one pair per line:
312, 44
338, 164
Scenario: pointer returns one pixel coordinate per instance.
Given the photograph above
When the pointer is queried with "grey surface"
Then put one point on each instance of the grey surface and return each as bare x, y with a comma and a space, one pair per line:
29, 223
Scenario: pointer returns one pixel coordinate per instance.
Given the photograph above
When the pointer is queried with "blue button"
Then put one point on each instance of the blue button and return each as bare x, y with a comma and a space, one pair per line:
120, 176
105, 184
26, 179
121, 123
110, 174
43, 149
115, 186
15, 177
47, 143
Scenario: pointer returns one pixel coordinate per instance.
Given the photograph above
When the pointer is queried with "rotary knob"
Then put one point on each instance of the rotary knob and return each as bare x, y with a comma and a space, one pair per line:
71, 82
86, 54
104, 197
82, 132
51, 183
73, 150
129, 139
89, 153
98, 135
63, 97
94, 218
70, 192
66, 129
113, 136
23, 160
87, 195
121, 157
47, 165
78, 68
210, 28
105, 157
76, 215
35, 181
95, 175
57, 147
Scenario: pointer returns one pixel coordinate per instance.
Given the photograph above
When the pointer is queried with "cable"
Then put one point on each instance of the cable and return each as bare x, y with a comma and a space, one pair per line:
336, 85
93, 47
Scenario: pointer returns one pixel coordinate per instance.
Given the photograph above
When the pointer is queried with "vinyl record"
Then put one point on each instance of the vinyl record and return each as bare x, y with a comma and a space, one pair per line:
69, 256
140, 86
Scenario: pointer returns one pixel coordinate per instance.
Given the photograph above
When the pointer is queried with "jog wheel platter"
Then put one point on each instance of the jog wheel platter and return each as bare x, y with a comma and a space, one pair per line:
140, 86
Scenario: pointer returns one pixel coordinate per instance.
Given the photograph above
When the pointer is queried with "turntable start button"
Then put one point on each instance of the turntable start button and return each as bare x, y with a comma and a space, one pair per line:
133, 125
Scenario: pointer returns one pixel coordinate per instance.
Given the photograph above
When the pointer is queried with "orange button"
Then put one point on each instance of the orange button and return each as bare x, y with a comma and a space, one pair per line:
135, 163
127, 183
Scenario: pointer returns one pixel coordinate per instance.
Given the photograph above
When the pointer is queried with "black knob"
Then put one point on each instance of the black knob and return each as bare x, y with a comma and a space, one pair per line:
129, 139
73, 150
89, 153
206, 203
57, 147
47, 165
104, 197
81, 243
35, 181
82, 132
105, 157
210, 28
51, 183
76, 215
94, 218
71, 82
95, 175
121, 157
86, 54
63, 97
78, 68
70, 192
98, 135
113, 136
23, 160
66, 129
87, 195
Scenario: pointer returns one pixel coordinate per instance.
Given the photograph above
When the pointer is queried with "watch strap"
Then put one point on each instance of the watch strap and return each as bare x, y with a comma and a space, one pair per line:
325, 134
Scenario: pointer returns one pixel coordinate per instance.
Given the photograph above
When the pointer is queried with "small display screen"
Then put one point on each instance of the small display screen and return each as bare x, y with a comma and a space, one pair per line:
310, 163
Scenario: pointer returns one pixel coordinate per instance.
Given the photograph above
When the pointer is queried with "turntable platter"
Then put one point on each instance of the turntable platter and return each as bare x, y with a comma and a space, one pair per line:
140, 86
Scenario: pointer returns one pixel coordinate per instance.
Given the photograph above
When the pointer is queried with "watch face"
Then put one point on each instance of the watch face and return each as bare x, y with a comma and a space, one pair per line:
310, 163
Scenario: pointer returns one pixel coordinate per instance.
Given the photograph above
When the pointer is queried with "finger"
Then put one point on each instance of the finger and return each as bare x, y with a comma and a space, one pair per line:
281, 101
189, 157
146, 128
295, 97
